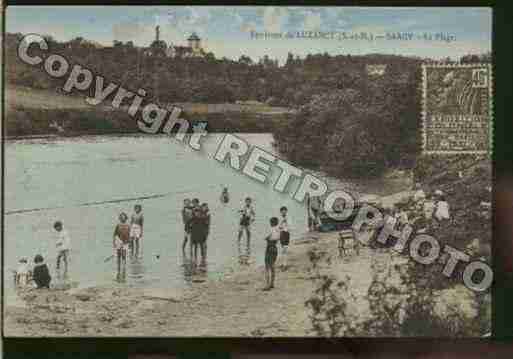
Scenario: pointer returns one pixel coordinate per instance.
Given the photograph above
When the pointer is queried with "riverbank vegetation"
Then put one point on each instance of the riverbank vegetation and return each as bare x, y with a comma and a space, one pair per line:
31, 112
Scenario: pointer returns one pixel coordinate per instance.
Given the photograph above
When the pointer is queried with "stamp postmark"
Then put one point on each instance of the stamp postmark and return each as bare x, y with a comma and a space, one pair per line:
457, 108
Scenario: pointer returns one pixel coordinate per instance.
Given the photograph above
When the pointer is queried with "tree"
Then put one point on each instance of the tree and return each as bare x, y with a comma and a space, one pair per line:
245, 60
290, 60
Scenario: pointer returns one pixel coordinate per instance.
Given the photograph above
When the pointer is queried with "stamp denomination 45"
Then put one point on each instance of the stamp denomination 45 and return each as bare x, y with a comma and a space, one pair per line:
457, 108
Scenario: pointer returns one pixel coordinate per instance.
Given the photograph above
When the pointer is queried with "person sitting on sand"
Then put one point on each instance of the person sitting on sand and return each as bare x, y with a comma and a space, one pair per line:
247, 218
22, 273
41, 273
120, 242
63, 244
271, 253
136, 230
186, 217
225, 197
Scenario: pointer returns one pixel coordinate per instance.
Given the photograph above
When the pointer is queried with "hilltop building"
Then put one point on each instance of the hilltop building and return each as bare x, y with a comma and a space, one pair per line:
159, 48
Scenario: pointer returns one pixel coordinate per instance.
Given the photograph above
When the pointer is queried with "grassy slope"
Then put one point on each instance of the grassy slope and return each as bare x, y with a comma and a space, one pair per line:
30, 112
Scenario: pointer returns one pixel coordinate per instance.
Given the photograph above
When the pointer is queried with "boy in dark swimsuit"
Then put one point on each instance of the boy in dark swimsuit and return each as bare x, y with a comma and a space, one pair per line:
205, 215
186, 217
120, 242
197, 228
285, 226
247, 218
271, 253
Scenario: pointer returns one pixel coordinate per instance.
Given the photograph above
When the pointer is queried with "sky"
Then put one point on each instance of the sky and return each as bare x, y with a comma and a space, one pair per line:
226, 31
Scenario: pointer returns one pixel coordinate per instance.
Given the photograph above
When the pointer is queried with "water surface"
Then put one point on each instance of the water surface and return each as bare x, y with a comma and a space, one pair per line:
86, 182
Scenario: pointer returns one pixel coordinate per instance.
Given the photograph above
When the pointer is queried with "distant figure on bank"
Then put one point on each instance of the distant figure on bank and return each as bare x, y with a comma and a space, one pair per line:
390, 218
186, 218
271, 253
225, 197
136, 230
120, 242
342, 245
285, 225
63, 245
247, 217
314, 205
442, 209
41, 273
23, 273
429, 207
419, 194
402, 218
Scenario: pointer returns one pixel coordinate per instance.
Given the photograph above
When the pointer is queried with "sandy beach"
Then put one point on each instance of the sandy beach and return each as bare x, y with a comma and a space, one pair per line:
233, 305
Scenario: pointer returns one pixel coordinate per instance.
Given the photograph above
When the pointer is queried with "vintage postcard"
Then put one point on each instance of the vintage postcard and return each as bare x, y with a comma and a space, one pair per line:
247, 171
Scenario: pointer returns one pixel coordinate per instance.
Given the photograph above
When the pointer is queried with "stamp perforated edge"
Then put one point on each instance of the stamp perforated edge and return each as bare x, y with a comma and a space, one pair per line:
424, 104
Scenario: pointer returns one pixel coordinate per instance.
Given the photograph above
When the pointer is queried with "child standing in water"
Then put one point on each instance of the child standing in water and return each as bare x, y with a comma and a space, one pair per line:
285, 225
197, 227
63, 244
225, 197
271, 253
120, 241
247, 218
205, 213
136, 230
186, 218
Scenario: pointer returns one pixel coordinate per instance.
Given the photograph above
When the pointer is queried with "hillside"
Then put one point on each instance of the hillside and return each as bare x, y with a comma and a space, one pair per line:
36, 112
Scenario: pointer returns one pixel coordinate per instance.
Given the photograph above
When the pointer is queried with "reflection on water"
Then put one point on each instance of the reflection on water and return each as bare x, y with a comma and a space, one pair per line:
244, 245
136, 268
194, 271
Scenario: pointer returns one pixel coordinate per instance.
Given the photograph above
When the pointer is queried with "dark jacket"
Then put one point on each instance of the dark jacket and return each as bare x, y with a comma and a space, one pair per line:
42, 276
199, 228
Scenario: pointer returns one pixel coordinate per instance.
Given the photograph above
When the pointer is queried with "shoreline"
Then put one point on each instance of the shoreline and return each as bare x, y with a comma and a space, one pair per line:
41, 113
232, 305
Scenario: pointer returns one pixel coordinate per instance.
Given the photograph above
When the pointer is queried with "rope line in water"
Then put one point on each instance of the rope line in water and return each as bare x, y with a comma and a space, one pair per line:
95, 203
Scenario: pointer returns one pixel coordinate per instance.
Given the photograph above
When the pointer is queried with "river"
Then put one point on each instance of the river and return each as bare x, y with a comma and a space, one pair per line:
87, 181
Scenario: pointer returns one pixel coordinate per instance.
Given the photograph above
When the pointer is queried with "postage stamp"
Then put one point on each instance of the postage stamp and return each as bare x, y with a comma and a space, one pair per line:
457, 108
